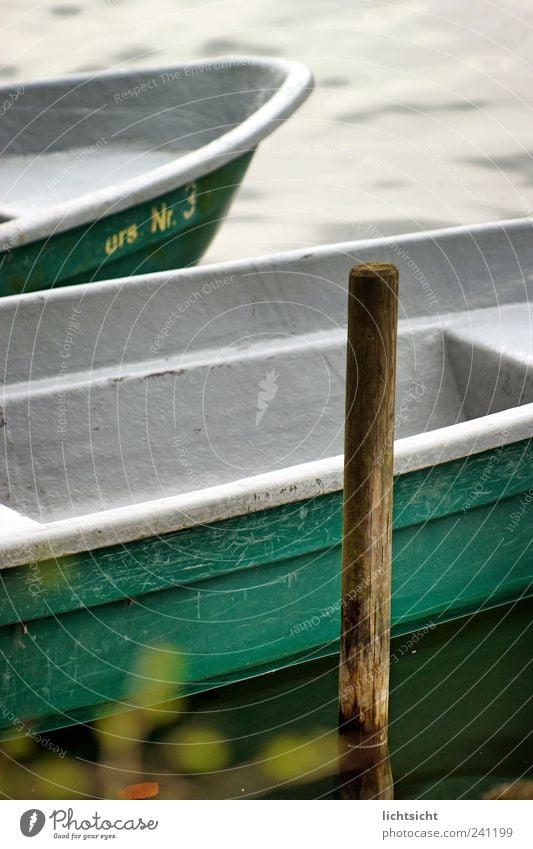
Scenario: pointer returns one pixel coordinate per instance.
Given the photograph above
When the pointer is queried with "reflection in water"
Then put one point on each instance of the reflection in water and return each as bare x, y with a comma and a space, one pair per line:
459, 721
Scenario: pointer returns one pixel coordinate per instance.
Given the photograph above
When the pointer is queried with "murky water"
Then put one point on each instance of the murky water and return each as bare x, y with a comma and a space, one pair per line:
460, 724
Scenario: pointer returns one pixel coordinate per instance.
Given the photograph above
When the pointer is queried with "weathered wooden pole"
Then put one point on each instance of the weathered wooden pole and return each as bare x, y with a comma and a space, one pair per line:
367, 532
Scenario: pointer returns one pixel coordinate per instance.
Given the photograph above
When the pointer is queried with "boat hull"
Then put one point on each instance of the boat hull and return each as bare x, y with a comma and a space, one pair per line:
231, 611
169, 517
123, 172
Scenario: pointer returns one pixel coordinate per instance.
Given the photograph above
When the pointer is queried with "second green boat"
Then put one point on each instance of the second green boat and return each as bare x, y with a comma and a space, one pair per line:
120, 173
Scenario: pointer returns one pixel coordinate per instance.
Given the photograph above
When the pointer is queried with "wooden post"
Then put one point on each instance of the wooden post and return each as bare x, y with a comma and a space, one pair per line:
367, 531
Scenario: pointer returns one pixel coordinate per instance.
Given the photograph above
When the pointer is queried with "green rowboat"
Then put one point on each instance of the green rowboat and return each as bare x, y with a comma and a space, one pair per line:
172, 466
119, 173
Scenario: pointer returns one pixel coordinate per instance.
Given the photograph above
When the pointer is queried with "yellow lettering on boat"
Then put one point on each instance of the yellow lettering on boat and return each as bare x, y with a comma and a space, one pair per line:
131, 234
160, 219
127, 235
190, 188
111, 244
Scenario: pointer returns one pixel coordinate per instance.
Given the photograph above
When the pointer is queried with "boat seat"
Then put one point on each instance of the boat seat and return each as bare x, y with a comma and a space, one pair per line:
491, 352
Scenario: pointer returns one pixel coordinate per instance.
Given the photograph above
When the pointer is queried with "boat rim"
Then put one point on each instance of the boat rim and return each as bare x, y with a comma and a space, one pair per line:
124, 194
253, 264
30, 541
24, 540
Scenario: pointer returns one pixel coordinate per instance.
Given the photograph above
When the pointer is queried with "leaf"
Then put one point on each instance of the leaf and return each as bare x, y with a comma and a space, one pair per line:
144, 790
198, 748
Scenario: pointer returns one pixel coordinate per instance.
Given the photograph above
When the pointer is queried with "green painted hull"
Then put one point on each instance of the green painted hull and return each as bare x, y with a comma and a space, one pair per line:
92, 620
169, 231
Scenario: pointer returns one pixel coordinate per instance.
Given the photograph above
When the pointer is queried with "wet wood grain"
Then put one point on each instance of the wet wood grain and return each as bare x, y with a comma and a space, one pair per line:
367, 531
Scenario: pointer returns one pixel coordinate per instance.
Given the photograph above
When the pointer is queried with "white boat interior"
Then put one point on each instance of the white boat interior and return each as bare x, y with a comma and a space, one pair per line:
127, 391
65, 138
33, 180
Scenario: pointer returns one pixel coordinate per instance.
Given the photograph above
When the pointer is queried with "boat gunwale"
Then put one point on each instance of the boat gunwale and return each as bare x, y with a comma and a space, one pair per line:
262, 262
31, 541
25, 540
229, 145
